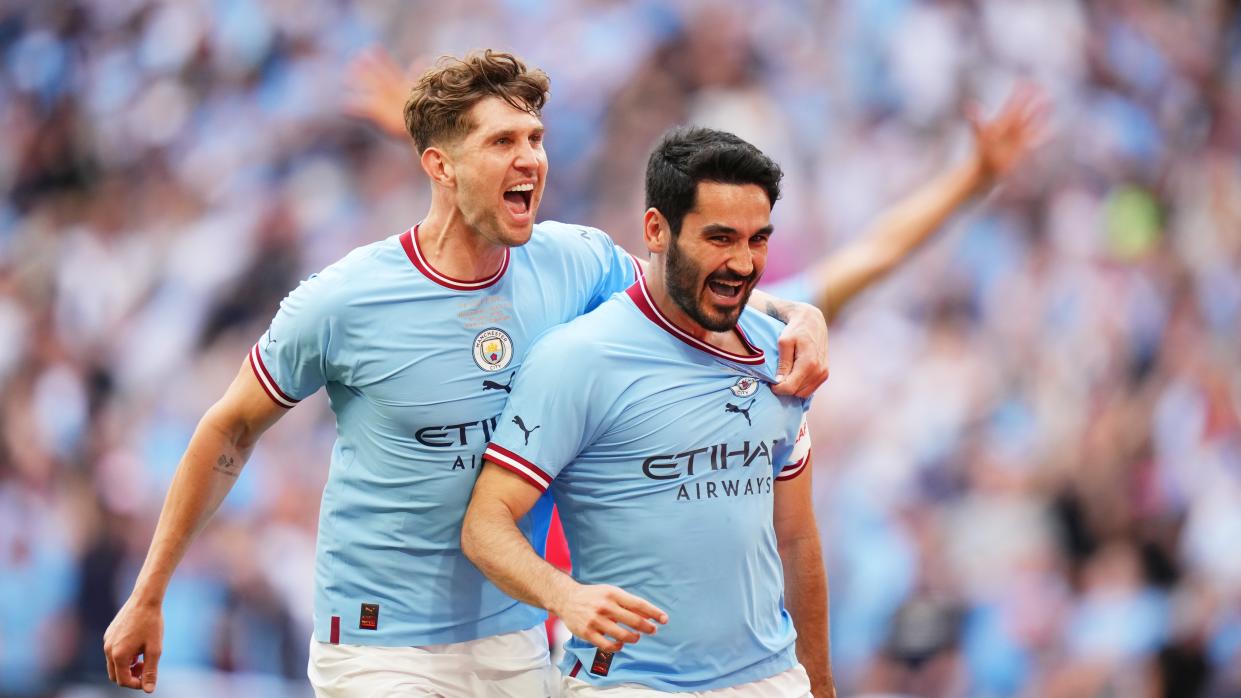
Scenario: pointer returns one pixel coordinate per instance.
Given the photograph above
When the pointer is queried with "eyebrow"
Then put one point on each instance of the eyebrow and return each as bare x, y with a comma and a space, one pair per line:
509, 133
721, 228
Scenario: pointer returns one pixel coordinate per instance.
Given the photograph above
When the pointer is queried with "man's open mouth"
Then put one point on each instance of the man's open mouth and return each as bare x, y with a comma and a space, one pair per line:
517, 198
725, 289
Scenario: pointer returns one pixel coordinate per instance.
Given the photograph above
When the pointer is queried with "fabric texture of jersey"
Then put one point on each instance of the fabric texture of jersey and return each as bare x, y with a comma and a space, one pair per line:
417, 367
661, 453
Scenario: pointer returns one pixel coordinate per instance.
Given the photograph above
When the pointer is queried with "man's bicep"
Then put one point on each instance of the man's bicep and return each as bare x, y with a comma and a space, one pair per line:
246, 408
794, 504
500, 485
292, 359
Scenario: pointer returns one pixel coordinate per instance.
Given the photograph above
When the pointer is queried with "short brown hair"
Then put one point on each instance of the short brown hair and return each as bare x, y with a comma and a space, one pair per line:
437, 108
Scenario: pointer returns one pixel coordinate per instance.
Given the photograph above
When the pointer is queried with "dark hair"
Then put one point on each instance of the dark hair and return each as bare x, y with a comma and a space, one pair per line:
438, 106
692, 154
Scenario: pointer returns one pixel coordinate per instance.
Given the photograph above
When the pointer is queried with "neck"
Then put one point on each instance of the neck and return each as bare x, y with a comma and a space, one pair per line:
727, 340
452, 246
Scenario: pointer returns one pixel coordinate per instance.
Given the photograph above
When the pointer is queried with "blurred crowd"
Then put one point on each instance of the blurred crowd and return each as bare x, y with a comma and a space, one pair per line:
1028, 457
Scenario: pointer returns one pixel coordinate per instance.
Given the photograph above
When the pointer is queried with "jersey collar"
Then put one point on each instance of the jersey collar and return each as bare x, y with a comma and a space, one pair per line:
641, 297
409, 241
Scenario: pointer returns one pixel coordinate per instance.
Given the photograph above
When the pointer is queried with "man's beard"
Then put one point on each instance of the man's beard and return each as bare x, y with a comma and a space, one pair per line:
685, 288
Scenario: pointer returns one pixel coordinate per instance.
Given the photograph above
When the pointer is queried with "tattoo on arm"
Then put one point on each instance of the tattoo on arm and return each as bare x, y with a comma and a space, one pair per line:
778, 310
227, 465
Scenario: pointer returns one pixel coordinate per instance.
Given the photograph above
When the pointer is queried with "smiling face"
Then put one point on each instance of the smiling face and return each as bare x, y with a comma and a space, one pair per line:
500, 170
713, 265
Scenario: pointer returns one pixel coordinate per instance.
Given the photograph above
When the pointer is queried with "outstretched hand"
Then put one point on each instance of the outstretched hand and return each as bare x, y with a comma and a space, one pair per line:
376, 90
1020, 127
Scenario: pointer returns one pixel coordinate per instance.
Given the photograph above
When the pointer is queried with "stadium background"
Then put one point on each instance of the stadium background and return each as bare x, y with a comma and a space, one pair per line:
1028, 467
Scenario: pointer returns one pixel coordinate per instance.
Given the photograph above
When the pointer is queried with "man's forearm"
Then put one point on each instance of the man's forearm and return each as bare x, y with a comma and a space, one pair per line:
805, 596
491, 540
771, 306
207, 471
898, 231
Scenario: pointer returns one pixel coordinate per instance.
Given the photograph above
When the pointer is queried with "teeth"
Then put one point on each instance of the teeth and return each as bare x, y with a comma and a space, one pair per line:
529, 186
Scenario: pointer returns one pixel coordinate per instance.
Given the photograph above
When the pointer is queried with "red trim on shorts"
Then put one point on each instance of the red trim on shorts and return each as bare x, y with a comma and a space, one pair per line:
335, 637
577, 666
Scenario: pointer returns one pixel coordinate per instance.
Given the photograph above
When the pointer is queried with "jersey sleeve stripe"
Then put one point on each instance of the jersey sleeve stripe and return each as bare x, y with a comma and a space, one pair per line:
269, 386
791, 471
511, 461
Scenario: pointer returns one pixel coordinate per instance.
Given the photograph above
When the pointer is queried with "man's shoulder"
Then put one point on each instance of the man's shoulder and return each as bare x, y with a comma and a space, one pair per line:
560, 229
358, 273
366, 259
581, 337
561, 239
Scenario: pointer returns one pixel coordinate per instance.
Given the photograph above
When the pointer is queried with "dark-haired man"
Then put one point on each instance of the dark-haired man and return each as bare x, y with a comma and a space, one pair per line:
682, 480
410, 337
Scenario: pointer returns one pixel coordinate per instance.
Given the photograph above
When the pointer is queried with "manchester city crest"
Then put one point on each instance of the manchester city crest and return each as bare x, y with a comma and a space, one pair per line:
745, 386
493, 349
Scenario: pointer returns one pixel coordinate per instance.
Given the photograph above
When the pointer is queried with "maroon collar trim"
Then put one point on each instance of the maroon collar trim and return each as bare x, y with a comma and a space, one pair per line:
642, 298
409, 241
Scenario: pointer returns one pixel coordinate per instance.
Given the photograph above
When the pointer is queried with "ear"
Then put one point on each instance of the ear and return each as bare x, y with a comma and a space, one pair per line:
438, 166
656, 231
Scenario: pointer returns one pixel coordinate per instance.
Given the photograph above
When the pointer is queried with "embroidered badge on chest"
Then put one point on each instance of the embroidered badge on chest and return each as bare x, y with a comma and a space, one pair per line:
493, 349
745, 386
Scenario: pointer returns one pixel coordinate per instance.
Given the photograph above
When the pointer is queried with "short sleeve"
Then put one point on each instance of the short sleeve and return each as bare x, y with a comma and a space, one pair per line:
618, 269
800, 455
549, 418
290, 360
796, 288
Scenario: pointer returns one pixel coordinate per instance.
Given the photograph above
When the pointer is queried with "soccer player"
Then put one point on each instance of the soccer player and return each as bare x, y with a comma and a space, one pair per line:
682, 480
416, 340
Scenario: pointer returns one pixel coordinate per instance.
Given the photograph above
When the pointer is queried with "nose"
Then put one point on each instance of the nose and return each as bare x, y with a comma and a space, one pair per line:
527, 158
741, 262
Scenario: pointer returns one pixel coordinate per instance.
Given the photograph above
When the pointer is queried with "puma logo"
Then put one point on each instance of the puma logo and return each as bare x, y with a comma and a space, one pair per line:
506, 387
743, 411
522, 425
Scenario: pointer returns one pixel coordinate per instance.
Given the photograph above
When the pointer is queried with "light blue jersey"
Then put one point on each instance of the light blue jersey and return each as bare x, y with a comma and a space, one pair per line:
797, 287
661, 452
417, 368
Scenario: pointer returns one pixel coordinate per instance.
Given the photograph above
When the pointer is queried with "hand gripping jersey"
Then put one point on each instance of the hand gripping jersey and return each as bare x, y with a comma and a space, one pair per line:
417, 368
661, 452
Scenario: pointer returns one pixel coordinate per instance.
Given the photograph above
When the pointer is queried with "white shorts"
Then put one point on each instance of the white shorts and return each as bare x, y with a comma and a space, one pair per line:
794, 683
512, 665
